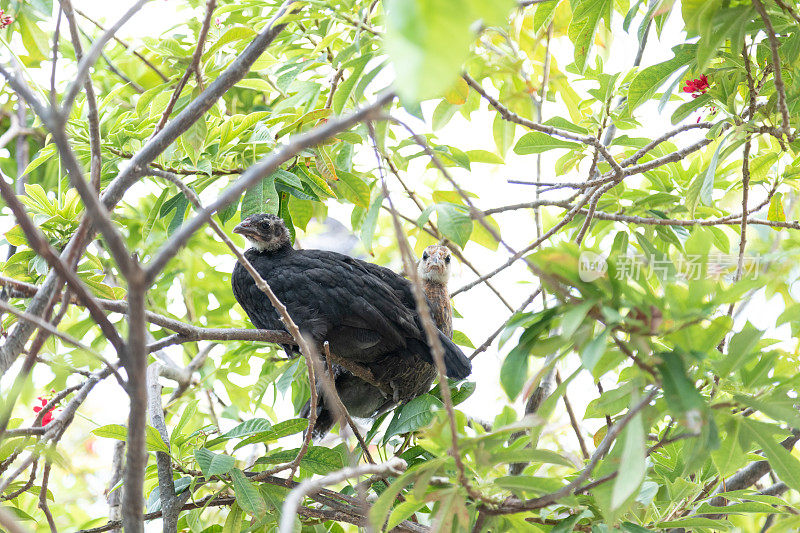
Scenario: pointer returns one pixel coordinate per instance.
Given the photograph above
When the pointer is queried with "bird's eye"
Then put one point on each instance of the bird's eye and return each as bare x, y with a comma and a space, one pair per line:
425, 256
447, 259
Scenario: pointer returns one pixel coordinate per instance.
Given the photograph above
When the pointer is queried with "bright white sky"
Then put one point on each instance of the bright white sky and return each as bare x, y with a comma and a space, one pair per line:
482, 311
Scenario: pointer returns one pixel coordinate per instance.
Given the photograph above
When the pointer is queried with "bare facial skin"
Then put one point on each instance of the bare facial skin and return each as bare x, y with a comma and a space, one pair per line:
264, 232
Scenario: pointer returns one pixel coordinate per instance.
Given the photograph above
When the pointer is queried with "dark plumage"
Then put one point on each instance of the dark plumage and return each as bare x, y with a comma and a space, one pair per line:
366, 312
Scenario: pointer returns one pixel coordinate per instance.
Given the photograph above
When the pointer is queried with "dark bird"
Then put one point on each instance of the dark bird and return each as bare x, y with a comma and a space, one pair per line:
366, 313
415, 376
408, 377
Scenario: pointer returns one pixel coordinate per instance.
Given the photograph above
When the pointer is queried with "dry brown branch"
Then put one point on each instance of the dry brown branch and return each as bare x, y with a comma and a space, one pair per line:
125, 45
42, 247
549, 130
514, 505
394, 466
780, 88
193, 68
430, 329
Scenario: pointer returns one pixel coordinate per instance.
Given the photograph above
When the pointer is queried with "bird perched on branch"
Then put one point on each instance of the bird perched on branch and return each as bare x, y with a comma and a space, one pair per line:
364, 311
415, 376
408, 377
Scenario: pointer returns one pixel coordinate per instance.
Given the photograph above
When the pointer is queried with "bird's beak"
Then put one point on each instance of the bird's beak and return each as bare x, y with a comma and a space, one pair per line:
244, 228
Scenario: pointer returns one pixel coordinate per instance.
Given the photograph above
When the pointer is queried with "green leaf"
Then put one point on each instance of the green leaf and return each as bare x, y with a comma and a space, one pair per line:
255, 84
16, 237
462, 340
43, 156
785, 465
119, 432
153, 215
503, 133
457, 93
776, 213
728, 457
281, 429
681, 394
760, 167
484, 156
213, 464
696, 521
194, 139
741, 346
454, 223
648, 80
188, 413
371, 222
353, 188
586, 15
317, 460
402, 511
703, 185
410, 417
514, 370
346, 87
261, 198
687, 108
248, 427
594, 350
528, 455
631, 476
428, 40
535, 142
377, 514
236, 33
247, 495
573, 318
739, 508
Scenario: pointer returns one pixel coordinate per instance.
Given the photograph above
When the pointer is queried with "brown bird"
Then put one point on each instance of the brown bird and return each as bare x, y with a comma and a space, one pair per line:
408, 376
434, 270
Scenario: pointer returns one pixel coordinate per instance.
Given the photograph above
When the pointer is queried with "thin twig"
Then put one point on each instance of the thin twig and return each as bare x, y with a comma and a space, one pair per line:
780, 88
394, 467
193, 68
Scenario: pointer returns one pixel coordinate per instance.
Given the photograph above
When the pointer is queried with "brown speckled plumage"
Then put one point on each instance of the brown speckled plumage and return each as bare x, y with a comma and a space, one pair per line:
366, 312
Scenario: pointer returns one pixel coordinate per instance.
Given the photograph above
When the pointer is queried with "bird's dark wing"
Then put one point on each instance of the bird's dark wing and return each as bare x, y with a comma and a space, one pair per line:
398, 283
253, 300
359, 314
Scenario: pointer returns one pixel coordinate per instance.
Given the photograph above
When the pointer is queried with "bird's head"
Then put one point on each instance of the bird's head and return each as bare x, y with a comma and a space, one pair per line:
264, 231
435, 264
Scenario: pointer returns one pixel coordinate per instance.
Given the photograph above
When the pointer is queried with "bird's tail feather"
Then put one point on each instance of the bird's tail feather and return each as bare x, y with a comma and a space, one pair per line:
325, 419
457, 365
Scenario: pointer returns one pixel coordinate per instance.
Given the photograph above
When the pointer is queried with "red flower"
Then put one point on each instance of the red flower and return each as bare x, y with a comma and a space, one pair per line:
5, 20
48, 416
697, 86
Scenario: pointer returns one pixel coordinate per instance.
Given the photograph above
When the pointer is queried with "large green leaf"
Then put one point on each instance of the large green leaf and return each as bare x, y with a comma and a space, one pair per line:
410, 417
247, 495
261, 198
317, 459
117, 431
646, 82
630, 476
785, 465
586, 15
535, 142
428, 40
213, 464
454, 223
